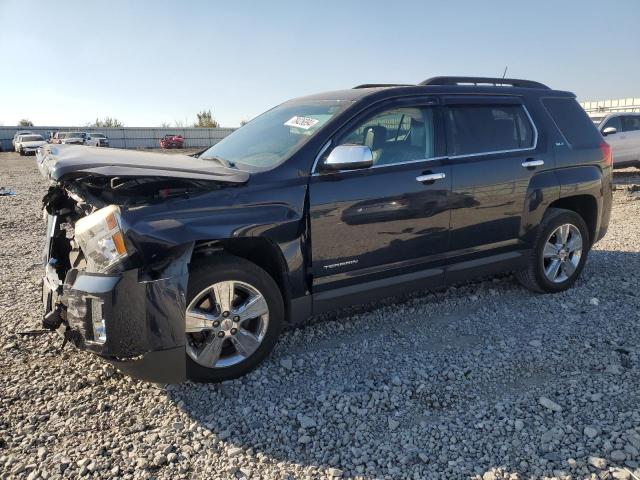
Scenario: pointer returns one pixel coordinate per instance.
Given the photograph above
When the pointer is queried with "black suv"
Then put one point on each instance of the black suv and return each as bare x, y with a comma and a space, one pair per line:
175, 266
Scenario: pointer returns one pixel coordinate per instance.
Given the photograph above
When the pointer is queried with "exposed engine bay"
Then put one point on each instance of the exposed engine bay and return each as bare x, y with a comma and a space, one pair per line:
70, 201
95, 292
116, 256
98, 191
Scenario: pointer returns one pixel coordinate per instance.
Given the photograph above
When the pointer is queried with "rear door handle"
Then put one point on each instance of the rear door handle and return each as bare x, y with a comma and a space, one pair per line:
431, 177
532, 163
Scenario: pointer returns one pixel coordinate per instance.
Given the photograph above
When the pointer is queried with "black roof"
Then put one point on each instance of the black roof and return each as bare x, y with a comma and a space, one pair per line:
380, 91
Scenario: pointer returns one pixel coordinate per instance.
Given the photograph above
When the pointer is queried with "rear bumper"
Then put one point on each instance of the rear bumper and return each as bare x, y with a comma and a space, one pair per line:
606, 205
135, 324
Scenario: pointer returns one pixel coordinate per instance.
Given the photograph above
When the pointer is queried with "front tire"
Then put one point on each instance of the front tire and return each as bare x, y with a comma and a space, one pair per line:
559, 253
234, 315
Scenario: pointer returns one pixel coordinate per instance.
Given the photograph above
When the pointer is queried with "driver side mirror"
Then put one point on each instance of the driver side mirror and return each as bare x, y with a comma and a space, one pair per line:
349, 157
609, 131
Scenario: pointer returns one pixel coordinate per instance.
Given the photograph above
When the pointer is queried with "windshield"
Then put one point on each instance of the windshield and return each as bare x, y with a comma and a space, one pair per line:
75, 134
97, 135
32, 138
270, 138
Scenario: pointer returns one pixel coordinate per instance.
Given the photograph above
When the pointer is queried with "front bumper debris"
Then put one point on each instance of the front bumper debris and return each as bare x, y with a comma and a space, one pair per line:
142, 319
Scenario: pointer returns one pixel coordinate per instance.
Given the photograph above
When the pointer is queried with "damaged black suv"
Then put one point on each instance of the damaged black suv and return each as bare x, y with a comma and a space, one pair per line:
175, 266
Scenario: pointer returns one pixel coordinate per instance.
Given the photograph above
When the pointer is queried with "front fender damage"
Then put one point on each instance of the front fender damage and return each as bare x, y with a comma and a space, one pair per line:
142, 313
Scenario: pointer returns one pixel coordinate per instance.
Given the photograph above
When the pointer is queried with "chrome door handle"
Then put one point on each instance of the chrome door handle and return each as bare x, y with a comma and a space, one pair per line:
533, 163
430, 177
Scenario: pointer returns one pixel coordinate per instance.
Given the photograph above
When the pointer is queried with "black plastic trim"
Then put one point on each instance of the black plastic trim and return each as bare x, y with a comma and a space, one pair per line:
369, 291
508, 82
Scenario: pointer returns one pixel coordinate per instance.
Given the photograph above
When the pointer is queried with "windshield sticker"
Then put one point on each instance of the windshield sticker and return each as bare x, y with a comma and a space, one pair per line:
304, 123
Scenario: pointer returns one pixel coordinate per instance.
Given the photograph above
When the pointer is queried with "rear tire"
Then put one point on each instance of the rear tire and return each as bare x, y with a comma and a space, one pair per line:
556, 262
250, 285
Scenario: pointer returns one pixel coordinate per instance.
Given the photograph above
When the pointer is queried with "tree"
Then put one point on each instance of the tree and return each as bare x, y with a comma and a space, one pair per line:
165, 125
205, 120
25, 123
107, 122
243, 122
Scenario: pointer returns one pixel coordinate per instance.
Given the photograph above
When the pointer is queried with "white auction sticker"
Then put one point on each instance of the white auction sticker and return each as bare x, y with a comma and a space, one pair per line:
304, 123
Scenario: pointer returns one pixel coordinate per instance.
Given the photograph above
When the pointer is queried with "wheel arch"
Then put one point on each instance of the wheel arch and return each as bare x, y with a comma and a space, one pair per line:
257, 250
584, 205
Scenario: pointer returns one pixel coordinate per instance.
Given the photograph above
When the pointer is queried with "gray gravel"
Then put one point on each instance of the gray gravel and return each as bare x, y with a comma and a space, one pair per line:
483, 381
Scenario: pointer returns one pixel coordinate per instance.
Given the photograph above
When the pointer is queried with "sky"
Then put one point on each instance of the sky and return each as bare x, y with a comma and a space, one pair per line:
67, 62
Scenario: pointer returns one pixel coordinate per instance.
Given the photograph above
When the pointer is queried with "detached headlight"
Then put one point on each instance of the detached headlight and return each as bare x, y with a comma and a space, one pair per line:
99, 236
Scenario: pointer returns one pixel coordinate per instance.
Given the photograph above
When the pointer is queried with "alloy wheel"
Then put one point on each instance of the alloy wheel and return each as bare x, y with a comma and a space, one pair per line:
562, 252
225, 324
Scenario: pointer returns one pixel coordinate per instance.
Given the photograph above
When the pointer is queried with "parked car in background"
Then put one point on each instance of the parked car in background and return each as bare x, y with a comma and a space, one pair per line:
97, 140
29, 143
622, 131
188, 266
58, 137
75, 138
17, 134
172, 141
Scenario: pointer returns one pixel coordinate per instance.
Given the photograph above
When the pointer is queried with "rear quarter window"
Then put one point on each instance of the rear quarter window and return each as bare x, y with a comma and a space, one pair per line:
573, 122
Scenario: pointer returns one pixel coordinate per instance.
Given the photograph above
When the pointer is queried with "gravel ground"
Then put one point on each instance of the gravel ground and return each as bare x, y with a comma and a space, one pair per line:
481, 381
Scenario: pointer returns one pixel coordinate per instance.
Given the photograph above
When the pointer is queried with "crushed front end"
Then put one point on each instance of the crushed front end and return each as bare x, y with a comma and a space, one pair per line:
100, 293
116, 255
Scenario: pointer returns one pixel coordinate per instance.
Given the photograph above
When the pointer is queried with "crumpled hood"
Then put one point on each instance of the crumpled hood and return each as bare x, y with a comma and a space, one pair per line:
62, 162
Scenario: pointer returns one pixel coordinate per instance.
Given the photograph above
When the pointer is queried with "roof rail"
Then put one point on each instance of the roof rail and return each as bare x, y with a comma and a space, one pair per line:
498, 82
375, 85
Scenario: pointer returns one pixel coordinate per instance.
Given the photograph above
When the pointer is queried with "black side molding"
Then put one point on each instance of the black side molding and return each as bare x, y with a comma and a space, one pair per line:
374, 290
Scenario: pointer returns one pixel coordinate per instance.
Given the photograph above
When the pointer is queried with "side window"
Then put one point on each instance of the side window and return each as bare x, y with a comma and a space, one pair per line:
613, 122
396, 136
488, 128
573, 122
630, 123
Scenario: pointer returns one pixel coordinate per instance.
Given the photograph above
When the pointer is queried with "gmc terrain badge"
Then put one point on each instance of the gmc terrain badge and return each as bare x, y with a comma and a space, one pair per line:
341, 264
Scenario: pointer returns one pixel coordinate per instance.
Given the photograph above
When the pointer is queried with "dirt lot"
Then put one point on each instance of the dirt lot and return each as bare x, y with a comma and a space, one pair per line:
485, 380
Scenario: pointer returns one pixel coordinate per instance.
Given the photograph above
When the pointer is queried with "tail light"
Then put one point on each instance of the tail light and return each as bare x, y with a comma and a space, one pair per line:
605, 148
